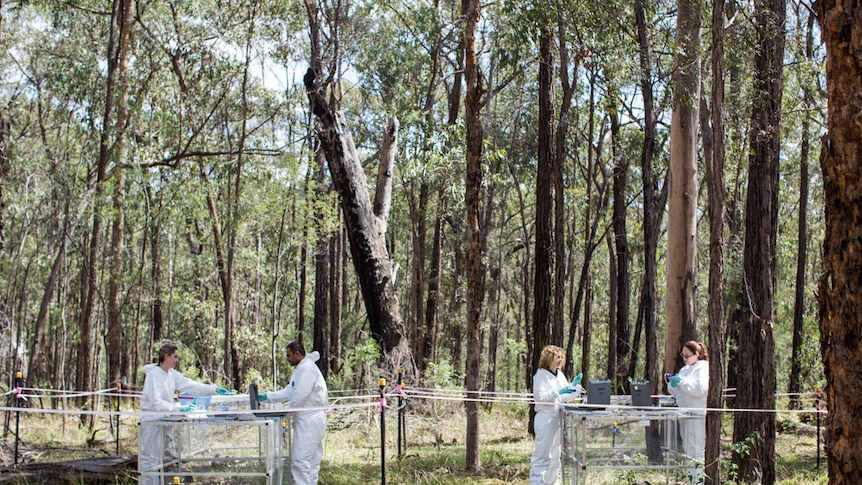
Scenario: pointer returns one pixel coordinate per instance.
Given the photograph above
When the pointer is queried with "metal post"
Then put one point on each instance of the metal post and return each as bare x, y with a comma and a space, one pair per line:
119, 392
18, 384
401, 415
382, 433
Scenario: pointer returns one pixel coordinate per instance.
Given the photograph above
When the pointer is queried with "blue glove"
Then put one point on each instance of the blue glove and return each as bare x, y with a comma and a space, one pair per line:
223, 392
674, 380
566, 390
577, 379
261, 397
187, 408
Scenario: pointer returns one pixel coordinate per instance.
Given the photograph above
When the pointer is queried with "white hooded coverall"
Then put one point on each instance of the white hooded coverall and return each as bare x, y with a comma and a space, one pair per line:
158, 396
307, 388
691, 393
545, 463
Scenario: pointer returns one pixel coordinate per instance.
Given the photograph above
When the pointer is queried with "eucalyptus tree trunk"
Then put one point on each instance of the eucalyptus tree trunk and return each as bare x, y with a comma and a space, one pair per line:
561, 255
470, 12
653, 202
432, 310
544, 198
838, 288
418, 237
715, 163
4, 161
794, 386
114, 344
681, 262
755, 388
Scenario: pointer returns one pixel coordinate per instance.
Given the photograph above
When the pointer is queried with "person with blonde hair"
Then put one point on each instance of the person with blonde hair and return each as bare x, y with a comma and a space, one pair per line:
550, 388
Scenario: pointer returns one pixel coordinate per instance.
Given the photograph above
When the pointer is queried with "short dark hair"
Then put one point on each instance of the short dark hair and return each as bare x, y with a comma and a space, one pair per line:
165, 350
295, 346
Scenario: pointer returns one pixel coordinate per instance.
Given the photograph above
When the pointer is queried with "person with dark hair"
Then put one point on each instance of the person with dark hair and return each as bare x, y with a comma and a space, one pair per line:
550, 387
307, 389
161, 382
690, 387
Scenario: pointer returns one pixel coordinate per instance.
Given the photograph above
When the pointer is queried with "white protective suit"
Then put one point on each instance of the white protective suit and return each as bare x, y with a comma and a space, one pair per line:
545, 463
691, 393
307, 388
158, 396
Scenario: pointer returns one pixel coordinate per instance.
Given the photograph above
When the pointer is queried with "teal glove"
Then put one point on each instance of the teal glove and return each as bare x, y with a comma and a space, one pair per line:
577, 379
261, 397
674, 380
187, 408
566, 390
223, 392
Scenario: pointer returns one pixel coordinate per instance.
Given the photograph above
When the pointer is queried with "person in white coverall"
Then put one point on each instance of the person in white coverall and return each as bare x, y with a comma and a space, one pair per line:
690, 387
550, 388
307, 389
161, 382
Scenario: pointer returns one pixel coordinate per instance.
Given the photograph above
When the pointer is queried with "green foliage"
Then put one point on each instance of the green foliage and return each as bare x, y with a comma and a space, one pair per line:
441, 375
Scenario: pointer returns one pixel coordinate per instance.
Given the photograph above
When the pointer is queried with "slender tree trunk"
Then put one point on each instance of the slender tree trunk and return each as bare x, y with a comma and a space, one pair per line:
429, 351
320, 340
335, 300
756, 374
4, 161
470, 11
36, 364
561, 255
838, 288
715, 163
794, 387
652, 212
419, 235
544, 198
156, 316
222, 269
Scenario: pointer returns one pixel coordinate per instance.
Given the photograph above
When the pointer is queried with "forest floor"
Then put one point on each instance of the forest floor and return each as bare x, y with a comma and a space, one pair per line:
433, 452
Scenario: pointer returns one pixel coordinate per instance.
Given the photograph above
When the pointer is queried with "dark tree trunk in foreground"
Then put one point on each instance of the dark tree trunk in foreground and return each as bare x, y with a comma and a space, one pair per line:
651, 221
756, 372
715, 159
838, 292
544, 171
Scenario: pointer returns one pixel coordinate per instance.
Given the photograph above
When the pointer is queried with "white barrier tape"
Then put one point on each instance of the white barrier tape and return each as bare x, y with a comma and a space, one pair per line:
616, 406
191, 414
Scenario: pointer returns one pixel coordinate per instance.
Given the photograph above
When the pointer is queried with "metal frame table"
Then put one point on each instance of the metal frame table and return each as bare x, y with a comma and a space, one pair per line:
220, 449
621, 438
